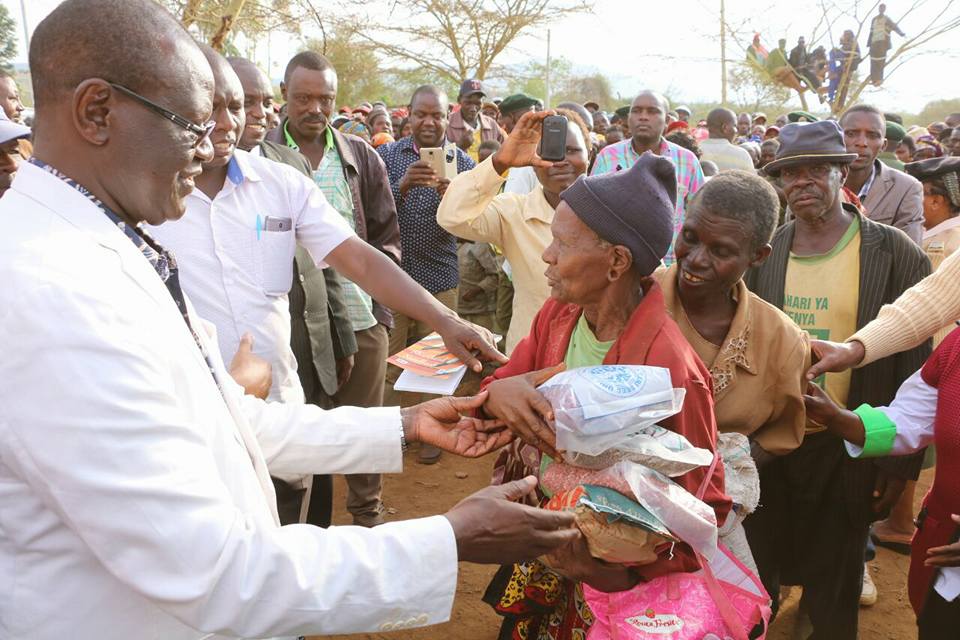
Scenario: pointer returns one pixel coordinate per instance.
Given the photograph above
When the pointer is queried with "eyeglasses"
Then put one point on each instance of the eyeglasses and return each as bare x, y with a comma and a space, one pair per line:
200, 132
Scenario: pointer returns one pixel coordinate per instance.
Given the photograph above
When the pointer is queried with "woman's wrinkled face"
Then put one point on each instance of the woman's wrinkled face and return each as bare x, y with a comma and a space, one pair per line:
578, 261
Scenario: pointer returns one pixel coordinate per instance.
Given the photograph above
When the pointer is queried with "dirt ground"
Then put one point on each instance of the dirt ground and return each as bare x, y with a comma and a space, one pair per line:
428, 490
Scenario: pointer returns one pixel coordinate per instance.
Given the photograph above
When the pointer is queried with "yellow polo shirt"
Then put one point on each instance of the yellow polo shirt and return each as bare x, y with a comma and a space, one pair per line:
821, 295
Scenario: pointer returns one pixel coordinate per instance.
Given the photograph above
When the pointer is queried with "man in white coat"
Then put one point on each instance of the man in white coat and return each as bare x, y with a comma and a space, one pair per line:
134, 491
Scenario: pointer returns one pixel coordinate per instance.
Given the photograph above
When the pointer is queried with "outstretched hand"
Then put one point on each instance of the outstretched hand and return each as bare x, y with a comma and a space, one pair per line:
834, 357
492, 528
469, 342
442, 423
520, 147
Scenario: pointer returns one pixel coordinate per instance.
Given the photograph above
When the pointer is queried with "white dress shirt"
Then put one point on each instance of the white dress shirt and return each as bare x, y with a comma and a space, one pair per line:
134, 496
235, 255
913, 411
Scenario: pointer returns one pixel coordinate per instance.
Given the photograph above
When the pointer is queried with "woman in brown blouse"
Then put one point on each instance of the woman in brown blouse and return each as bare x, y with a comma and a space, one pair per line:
756, 355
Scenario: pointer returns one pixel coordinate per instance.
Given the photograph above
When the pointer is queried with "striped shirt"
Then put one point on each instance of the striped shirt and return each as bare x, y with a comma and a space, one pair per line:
620, 156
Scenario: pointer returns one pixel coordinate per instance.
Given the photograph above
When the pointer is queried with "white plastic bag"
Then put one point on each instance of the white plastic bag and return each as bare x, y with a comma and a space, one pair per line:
606, 414
686, 516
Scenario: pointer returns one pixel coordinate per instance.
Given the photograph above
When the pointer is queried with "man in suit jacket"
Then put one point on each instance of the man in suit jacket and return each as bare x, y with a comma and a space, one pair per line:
888, 196
831, 270
135, 488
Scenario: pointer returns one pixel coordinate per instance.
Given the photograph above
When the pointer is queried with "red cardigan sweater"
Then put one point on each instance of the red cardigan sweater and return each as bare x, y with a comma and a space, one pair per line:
650, 338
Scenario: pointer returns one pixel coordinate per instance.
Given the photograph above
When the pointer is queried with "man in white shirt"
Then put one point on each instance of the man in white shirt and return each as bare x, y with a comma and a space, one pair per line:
236, 241
719, 148
133, 472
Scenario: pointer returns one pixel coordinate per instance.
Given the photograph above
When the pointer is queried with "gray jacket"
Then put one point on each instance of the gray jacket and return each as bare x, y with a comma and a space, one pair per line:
896, 199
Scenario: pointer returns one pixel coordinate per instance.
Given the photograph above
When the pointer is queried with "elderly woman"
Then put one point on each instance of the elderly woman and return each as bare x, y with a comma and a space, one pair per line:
756, 355
474, 209
609, 234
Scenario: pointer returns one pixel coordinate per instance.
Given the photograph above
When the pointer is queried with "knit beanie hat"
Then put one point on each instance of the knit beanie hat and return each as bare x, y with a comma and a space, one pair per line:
633, 208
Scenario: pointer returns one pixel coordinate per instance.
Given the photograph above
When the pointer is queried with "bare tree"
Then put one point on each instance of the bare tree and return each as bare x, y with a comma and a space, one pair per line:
217, 21
458, 39
939, 17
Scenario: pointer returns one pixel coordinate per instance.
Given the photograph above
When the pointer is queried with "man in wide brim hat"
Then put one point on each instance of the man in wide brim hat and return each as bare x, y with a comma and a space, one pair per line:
810, 143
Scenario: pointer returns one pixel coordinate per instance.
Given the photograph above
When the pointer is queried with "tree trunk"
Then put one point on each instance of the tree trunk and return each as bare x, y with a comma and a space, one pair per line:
227, 20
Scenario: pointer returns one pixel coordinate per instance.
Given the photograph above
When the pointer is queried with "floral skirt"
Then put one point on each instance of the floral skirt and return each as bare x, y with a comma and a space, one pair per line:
535, 602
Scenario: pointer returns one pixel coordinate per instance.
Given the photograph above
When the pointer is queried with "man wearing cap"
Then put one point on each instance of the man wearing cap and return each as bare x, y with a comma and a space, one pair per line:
647, 123
895, 133
468, 127
609, 235
512, 109
888, 196
831, 270
11, 154
801, 116
683, 113
718, 147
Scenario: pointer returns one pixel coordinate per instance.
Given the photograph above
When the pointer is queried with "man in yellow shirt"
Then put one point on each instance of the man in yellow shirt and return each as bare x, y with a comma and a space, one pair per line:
831, 270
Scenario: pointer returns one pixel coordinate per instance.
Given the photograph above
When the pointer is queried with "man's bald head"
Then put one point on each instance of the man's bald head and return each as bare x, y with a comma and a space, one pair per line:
722, 123
103, 73
659, 97
647, 119
223, 73
250, 75
128, 42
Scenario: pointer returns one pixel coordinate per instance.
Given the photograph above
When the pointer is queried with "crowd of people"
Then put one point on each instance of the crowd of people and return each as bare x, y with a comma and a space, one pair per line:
827, 75
199, 309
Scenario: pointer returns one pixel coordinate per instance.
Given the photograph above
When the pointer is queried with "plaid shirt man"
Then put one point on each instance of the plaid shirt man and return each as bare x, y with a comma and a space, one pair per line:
621, 156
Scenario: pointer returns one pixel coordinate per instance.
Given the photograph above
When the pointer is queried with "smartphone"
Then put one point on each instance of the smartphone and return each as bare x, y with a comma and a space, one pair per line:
434, 156
553, 139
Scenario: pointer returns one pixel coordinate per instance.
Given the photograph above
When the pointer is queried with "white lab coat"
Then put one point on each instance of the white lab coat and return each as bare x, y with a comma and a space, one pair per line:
134, 497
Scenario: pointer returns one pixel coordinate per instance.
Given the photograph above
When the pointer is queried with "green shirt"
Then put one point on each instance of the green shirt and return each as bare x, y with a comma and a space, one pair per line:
330, 178
584, 349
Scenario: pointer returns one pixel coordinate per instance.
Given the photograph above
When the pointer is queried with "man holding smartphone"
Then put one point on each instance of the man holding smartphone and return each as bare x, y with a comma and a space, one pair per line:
428, 253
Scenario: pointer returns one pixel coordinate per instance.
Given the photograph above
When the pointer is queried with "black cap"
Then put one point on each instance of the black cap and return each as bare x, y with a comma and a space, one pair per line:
809, 143
623, 112
472, 86
932, 167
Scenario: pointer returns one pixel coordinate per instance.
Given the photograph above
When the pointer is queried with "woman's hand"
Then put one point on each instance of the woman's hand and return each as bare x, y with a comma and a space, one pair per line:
821, 409
574, 561
524, 410
520, 147
947, 555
